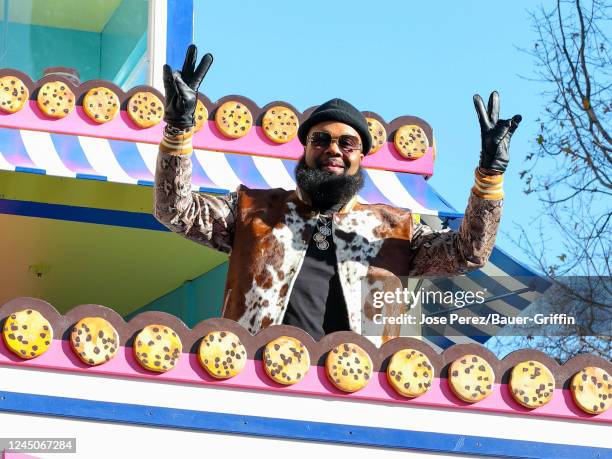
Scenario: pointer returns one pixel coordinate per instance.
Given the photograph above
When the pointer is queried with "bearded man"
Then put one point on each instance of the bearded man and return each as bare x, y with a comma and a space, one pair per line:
299, 257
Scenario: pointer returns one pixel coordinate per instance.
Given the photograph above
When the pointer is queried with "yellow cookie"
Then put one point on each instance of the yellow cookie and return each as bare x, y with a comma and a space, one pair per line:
201, 115
13, 94
101, 104
222, 354
233, 119
280, 124
286, 360
471, 378
27, 333
94, 340
157, 348
378, 133
145, 109
348, 367
592, 390
531, 384
410, 372
55, 99
411, 141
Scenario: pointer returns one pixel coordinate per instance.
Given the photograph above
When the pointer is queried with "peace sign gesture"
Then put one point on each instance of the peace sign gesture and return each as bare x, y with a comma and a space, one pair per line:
495, 133
182, 89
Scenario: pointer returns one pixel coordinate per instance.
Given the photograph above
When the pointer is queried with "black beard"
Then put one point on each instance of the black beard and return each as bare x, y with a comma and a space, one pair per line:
326, 189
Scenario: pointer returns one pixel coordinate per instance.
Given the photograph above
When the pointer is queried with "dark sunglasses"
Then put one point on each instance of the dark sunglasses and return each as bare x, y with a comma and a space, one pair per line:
346, 143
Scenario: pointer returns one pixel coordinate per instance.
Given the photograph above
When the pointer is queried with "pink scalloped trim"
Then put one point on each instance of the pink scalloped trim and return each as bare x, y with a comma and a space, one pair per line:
188, 370
208, 138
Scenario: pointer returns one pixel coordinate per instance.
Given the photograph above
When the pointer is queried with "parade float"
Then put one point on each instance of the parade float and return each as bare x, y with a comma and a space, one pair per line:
109, 324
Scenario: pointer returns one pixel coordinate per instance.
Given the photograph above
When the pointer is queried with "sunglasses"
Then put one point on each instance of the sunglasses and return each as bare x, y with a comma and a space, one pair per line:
346, 143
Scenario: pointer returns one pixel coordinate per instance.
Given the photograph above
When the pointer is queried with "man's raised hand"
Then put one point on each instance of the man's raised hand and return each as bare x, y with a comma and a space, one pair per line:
495, 133
182, 88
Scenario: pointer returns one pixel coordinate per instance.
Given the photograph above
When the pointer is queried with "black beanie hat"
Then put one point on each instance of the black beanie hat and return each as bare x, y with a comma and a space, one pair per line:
338, 110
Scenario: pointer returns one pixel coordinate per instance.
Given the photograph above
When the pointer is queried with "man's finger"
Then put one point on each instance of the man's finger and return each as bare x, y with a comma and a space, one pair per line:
482, 113
168, 80
493, 108
201, 71
514, 122
190, 60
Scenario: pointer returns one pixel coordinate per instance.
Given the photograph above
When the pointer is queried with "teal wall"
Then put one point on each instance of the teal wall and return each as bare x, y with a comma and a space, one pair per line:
31, 48
195, 300
124, 31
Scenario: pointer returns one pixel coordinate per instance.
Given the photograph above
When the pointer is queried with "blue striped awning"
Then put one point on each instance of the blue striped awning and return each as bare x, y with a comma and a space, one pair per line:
118, 161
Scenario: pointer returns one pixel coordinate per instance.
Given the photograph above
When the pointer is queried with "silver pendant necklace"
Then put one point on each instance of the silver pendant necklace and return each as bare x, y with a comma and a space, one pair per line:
323, 231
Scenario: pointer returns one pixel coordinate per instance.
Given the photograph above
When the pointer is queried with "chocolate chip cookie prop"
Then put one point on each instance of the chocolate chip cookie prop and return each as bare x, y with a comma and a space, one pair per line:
27, 333
201, 115
378, 133
94, 340
145, 109
55, 99
411, 141
348, 367
592, 390
222, 354
101, 104
286, 360
13, 94
233, 119
410, 373
471, 378
157, 348
531, 384
280, 124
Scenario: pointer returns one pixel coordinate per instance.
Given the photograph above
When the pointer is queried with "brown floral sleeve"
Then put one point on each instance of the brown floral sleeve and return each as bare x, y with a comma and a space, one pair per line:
447, 252
208, 220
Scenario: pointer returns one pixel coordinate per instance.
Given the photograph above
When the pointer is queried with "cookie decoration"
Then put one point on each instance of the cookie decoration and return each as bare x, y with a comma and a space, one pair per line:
55, 99
280, 124
592, 390
27, 333
471, 378
157, 348
378, 133
411, 141
233, 119
13, 94
94, 340
348, 367
145, 109
286, 360
531, 384
201, 115
222, 354
101, 104
410, 373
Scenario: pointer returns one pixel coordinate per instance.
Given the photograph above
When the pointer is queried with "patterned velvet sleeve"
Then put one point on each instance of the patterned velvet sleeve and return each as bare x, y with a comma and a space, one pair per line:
448, 252
208, 220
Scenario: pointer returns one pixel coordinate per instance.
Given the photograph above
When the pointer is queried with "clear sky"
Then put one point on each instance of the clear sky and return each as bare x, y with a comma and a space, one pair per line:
394, 58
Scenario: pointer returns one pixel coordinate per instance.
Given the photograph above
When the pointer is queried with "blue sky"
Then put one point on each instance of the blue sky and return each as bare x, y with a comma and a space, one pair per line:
394, 58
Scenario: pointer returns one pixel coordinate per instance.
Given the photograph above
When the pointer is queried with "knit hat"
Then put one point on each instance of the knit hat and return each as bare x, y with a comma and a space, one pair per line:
338, 110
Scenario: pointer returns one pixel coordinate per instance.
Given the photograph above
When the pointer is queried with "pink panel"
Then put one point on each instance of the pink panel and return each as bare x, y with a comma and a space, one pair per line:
188, 370
208, 138
9, 455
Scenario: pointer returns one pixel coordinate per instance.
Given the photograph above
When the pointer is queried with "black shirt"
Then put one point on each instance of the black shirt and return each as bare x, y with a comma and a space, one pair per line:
317, 304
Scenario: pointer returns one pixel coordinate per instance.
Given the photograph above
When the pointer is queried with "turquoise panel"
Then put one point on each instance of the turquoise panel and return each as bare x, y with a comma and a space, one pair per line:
195, 300
121, 36
31, 48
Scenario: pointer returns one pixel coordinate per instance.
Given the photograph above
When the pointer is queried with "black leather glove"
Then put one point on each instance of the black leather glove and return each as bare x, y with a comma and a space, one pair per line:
182, 89
495, 133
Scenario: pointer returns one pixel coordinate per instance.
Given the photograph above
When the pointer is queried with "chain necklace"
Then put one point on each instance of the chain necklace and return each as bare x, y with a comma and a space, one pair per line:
323, 231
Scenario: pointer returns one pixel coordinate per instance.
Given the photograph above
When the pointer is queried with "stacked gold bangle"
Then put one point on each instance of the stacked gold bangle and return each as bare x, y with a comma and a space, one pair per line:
488, 186
176, 141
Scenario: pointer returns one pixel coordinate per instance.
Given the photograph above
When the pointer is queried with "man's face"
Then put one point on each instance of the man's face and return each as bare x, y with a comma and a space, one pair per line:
332, 159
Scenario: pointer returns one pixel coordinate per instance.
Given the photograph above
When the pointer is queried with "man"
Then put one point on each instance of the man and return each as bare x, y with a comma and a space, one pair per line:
299, 257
